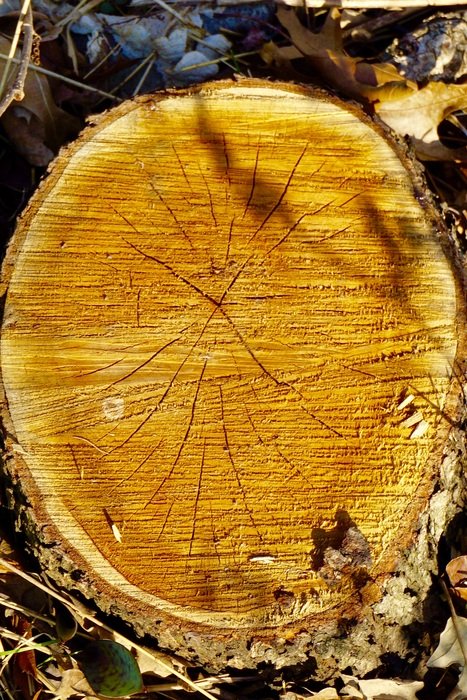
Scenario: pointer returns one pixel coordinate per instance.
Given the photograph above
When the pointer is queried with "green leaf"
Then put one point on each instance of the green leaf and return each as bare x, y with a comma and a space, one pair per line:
110, 669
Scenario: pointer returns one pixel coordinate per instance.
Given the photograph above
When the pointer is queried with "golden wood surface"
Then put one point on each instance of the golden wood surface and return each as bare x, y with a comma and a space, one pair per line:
216, 306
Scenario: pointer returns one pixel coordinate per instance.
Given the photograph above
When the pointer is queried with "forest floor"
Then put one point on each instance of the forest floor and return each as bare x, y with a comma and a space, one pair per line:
407, 66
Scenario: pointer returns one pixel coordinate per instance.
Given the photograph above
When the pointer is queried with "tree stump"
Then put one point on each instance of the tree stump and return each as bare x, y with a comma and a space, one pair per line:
228, 349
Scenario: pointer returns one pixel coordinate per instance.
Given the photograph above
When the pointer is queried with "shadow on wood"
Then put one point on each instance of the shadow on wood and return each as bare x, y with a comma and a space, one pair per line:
227, 346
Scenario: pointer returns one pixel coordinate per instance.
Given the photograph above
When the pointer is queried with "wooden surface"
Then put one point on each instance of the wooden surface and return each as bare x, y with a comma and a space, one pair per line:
216, 307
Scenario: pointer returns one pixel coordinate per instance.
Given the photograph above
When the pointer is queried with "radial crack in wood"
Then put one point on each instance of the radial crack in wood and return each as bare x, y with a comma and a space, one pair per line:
227, 354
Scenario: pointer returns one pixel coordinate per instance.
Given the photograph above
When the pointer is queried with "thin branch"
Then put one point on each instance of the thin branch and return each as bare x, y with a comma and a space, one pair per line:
16, 90
82, 612
63, 78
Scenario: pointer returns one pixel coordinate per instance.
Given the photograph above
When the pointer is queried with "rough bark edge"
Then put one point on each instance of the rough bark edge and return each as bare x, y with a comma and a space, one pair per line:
348, 642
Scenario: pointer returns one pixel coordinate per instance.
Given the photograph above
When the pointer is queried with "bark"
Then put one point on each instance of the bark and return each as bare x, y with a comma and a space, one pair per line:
230, 351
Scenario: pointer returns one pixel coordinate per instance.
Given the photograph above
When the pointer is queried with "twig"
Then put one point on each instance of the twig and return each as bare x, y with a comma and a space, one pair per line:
95, 621
144, 76
16, 90
216, 60
63, 78
193, 34
77, 12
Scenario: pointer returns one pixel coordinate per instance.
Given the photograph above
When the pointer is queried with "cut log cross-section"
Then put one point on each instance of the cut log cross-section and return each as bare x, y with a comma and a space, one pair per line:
227, 356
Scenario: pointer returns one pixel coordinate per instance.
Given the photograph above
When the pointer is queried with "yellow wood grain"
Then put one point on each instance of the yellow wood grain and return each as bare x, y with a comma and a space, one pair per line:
216, 304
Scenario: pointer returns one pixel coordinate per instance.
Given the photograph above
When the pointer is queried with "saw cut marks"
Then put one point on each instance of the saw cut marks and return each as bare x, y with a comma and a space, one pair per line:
218, 307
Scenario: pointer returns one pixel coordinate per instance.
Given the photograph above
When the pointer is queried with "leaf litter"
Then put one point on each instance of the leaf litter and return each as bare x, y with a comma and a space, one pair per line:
408, 109
90, 55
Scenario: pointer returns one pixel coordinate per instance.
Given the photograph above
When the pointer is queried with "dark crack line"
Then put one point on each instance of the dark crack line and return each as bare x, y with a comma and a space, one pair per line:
273, 442
152, 357
295, 226
211, 204
79, 469
166, 520
172, 213
359, 371
354, 196
337, 233
164, 395
161, 262
247, 347
253, 183
100, 369
229, 241
182, 168
281, 197
170, 269
111, 364
184, 440
303, 398
227, 163
198, 492
234, 467
136, 469
215, 538
310, 413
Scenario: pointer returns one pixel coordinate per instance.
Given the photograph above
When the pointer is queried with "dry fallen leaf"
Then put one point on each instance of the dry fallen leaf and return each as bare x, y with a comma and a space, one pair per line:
72, 683
419, 114
457, 574
380, 689
325, 54
452, 650
35, 125
408, 110
325, 694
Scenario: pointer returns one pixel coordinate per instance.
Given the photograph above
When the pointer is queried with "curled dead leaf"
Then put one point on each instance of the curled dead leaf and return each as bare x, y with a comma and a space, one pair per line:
36, 126
27, 134
456, 571
73, 682
452, 650
325, 54
411, 112
379, 689
419, 114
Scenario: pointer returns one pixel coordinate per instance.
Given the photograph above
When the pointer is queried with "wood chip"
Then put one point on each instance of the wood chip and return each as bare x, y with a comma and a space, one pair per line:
116, 532
405, 402
420, 430
262, 559
412, 420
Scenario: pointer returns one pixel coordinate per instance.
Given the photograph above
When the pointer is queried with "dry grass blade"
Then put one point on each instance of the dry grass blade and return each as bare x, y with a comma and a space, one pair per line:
193, 34
164, 6
148, 67
213, 61
143, 66
81, 9
82, 612
63, 78
5, 690
24, 644
15, 91
12, 605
